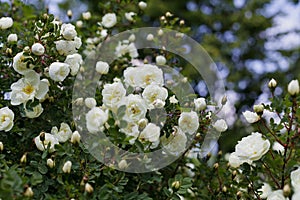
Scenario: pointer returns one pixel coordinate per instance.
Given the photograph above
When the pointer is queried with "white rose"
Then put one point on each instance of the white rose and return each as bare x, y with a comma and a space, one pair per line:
34, 112
90, 102
12, 38
20, 65
295, 179
86, 15
6, 22
103, 33
220, 125
154, 92
188, 122
296, 196
95, 119
278, 147
131, 76
131, 130
63, 134
276, 195
27, 88
67, 167
49, 139
6, 119
68, 31
160, 60
142, 5
173, 99
149, 74
251, 117
175, 143
234, 160
112, 94
38, 49
129, 16
150, 133
74, 61
75, 138
59, 71
293, 87
251, 148
109, 20
124, 48
102, 67
265, 190
200, 104
65, 47
135, 108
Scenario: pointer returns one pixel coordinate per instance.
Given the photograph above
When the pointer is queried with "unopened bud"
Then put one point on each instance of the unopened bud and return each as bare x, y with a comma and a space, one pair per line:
88, 188
216, 165
70, 14
224, 100
122, 164
1, 146
8, 51
272, 83
28, 192
224, 189
75, 138
50, 163
259, 109
239, 194
286, 190
176, 185
24, 158
181, 22
168, 14
42, 136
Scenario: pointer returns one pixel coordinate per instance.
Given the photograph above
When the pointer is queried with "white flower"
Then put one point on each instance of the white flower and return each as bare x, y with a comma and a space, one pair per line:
109, 20
103, 33
142, 5
152, 93
50, 163
296, 195
249, 149
251, 117
34, 112
150, 133
188, 122
131, 130
123, 164
49, 139
158, 103
150, 37
65, 47
176, 142
102, 67
278, 147
272, 83
265, 190
160, 32
295, 179
68, 31
200, 104
28, 192
124, 48
86, 15
6, 119
74, 61
220, 125
63, 134
90, 102
20, 65
131, 38
135, 108
79, 23
293, 87
38, 49
149, 74
276, 195
160, 60
129, 16
6, 22
27, 88
112, 94
88, 188
173, 99
75, 138
95, 119
67, 167
1, 146
12, 38
59, 71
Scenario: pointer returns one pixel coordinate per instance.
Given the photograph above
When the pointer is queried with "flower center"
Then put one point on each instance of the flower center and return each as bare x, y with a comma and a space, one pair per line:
28, 89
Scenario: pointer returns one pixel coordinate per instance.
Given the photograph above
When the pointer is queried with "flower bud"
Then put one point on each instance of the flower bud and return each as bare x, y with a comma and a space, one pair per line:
293, 87
24, 158
79, 24
28, 192
50, 163
86, 15
259, 109
88, 188
142, 5
90, 102
1, 146
220, 125
70, 14
8, 51
12, 38
75, 138
239, 194
67, 167
216, 165
142, 123
224, 189
150, 37
200, 104
102, 67
160, 60
272, 83
131, 38
122, 164
181, 22
160, 32
176, 185
224, 100
168, 14
38, 49
286, 190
